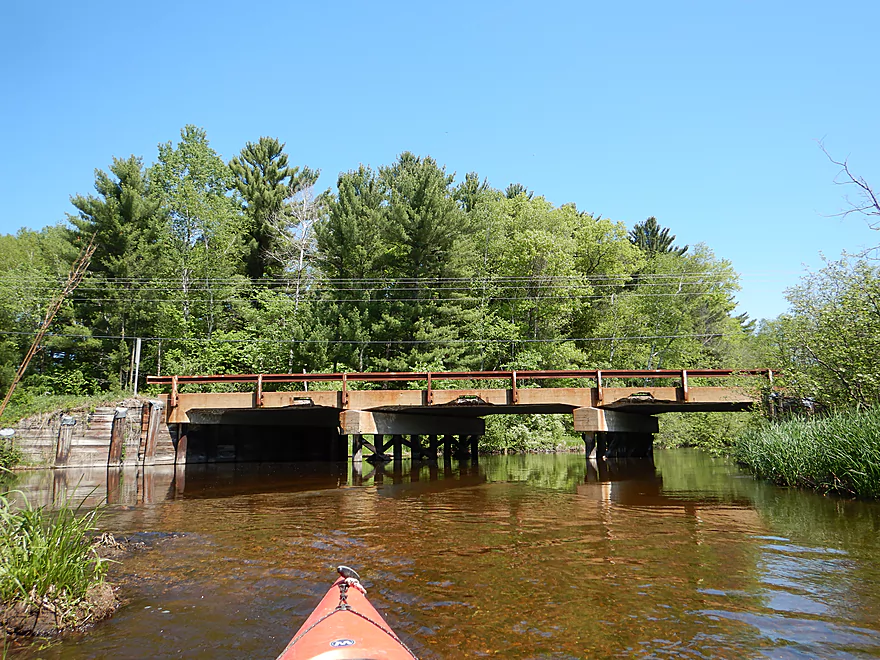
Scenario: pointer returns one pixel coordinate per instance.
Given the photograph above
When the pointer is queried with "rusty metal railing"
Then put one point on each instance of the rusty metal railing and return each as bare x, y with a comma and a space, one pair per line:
513, 377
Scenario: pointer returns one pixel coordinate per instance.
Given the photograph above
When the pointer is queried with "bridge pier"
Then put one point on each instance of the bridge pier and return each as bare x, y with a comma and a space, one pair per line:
614, 434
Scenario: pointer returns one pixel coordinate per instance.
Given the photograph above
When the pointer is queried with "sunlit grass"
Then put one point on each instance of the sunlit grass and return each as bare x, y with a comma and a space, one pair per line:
47, 556
837, 453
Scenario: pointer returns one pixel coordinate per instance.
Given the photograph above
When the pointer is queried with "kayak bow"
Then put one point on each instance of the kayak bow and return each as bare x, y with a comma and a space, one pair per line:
345, 626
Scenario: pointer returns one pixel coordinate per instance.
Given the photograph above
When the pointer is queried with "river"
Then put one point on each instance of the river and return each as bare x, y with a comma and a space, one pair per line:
535, 556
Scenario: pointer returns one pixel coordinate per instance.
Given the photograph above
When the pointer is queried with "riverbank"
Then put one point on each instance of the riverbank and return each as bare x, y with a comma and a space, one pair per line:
837, 453
52, 570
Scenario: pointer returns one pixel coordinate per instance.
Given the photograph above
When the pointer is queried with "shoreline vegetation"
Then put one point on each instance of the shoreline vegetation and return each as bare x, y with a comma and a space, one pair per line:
52, 569
838, 453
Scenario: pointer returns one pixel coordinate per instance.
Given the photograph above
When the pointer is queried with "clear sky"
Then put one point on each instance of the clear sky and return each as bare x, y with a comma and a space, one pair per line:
703, 114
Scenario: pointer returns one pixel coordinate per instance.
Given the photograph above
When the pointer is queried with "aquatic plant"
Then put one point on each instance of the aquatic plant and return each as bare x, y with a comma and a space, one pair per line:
46, 558
835, 453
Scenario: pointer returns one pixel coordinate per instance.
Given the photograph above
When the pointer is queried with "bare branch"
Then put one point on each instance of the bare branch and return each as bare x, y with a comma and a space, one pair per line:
866, 203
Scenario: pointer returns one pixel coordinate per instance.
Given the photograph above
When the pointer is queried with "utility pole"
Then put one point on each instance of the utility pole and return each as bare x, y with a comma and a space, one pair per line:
137, 363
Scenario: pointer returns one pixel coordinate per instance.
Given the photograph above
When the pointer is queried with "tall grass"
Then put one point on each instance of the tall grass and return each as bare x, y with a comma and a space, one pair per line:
837, 453
47, 556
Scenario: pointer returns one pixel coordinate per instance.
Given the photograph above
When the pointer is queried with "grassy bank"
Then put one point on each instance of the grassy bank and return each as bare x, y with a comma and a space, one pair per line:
837, 453
26, 403
51, 578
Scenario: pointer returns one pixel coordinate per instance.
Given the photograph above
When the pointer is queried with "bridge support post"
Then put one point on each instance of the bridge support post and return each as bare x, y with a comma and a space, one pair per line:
397, 448
589, 443
432, 448
416, 449
475, 447
357, 449
626, 445
447, 448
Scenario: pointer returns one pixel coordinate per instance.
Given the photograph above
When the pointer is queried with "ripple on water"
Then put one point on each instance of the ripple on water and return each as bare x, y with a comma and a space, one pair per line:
524, 558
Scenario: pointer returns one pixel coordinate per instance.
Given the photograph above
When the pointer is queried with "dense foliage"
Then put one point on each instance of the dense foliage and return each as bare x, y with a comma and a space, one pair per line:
244, 266
829, 342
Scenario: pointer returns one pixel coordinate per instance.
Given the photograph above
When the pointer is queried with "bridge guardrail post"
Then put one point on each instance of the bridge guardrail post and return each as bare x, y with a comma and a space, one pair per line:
514, 391
684, 385
599, 396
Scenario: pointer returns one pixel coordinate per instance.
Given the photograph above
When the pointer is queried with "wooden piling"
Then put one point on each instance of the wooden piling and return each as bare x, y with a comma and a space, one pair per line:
447, 447
65, 436
117, 436
397, 448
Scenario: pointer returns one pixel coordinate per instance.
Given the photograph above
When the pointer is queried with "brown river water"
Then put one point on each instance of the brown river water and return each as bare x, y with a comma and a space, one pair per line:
536, 556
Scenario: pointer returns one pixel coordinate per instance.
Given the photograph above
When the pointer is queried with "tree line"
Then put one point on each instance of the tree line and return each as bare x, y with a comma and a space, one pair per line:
247, 266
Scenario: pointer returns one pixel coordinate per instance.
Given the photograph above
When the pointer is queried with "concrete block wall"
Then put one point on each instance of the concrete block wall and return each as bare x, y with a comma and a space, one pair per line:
88, 434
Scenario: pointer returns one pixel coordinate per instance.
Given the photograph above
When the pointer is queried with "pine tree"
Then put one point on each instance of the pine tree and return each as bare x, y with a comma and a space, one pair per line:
653, 238
264, 179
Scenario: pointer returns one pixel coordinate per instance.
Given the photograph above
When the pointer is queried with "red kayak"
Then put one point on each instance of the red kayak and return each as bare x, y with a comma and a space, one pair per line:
345, 626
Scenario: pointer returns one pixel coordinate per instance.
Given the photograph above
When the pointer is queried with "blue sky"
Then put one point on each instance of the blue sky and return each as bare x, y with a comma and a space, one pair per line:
703, 114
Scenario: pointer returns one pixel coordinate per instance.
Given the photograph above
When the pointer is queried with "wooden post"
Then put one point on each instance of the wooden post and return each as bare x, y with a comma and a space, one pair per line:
182, 440
397, 448
117, 436
432, 451
65, 436
684, 385
152, 432
415, 446
514, 393
447, 447
475, 447
599, 394
259, 397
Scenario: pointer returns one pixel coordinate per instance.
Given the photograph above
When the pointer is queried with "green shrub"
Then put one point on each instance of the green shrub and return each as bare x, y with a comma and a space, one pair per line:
715, 432
10, 456
837, 453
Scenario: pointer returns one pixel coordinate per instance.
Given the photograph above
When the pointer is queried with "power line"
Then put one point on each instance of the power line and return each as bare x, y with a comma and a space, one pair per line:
713, 335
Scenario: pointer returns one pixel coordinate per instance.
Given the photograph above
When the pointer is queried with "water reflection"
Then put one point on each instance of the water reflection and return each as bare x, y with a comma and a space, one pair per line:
517, 557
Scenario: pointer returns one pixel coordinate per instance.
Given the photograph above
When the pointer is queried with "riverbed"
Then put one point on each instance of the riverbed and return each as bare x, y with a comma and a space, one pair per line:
534, 556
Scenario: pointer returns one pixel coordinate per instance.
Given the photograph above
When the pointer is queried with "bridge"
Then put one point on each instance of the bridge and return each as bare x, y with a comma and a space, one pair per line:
330, 416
